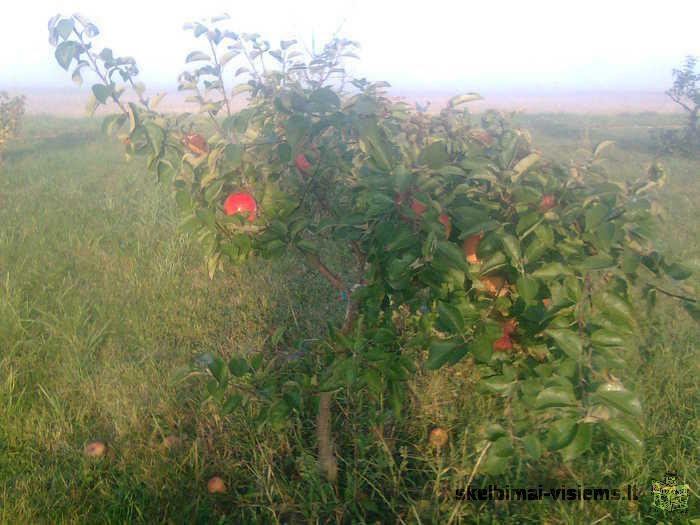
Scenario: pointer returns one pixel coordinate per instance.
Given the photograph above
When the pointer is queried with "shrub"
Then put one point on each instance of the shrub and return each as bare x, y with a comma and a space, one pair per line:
11, 113
686, 94
464, 240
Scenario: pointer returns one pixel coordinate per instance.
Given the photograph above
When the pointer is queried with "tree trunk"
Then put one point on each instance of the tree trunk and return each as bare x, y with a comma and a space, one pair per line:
326, 457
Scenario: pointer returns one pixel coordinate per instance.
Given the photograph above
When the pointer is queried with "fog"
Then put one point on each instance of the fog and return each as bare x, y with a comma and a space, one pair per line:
438, 46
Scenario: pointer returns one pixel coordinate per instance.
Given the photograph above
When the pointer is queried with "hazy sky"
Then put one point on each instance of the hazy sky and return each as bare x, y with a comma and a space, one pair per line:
436, 45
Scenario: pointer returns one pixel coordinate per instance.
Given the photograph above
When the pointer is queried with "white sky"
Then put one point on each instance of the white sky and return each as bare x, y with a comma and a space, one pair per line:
436, 45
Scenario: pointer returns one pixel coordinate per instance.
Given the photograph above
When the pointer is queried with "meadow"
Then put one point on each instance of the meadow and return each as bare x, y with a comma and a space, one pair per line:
104, 306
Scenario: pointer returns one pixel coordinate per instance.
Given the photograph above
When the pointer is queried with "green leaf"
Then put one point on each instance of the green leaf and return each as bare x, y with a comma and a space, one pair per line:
451, 254
630, 261
598, 262
101, 92
580, 443
619, 397
65, 27
512, 248
602, 146
555, 396
497, 260
238, 366
528, 288
567, 341
494, 431
324, 100
502, 447
231, 404
605, 337
439, 353
615, 307
434, 155
625, 430
595, 215
676, 271
532, 446
497, 384
195, 56
233, 156
217, 368
494, 464
65, 52
561, 433
524, 164
463, 99
551, 271
450, 317
482, 348
296, 129
155, 135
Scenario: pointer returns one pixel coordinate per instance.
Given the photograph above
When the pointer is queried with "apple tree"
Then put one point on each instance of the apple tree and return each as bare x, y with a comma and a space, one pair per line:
462, 240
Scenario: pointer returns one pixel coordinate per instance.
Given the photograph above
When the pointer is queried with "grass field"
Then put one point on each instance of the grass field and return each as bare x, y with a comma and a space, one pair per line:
103, 301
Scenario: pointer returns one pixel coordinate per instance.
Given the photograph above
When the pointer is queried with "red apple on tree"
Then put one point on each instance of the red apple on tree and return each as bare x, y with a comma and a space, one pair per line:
418, 207
469, 246
503, 344
548, 202
508, 327
196, 144
241, 202
303, 164
445, 221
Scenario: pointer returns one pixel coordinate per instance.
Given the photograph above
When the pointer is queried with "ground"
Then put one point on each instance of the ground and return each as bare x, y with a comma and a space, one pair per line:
103, 302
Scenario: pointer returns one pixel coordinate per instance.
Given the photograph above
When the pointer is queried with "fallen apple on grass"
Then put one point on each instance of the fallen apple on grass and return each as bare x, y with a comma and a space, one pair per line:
438, 437
216, 485
95, 449
241, 202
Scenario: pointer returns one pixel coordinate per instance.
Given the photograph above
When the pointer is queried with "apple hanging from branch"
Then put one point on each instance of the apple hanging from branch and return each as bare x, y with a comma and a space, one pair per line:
241, 202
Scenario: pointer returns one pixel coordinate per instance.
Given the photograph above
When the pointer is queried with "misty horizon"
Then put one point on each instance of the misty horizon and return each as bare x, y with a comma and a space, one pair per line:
623, 47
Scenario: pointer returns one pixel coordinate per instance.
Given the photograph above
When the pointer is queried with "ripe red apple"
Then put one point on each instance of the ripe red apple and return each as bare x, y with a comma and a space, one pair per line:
216, 485
239, 202
502, 344
508, 327
469, 246
418, 207
445, 221
495, 284
548, 202
303, 164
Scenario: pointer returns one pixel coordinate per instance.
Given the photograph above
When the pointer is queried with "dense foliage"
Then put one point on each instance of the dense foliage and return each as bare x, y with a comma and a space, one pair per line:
461, 239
